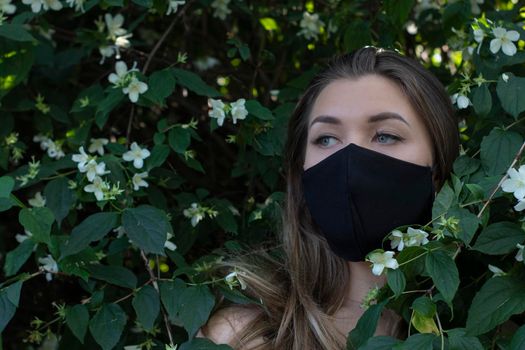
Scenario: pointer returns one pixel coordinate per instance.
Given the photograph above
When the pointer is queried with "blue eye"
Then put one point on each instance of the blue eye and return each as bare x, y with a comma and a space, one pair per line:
385, 138
324, 141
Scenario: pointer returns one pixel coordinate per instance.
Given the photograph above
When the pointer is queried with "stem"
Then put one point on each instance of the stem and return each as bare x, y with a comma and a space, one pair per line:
440, 331
512, 124
18, 201
130, 122
59, 175
153, 279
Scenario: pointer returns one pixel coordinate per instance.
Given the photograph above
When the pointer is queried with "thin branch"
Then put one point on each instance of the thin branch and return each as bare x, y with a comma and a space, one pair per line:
156, 286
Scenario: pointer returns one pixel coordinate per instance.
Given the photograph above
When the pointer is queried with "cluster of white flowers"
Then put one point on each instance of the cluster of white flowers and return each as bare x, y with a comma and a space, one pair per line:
311, 26
173, 5
196, 213
412, 238
38, 5
503, 39
53, 148
128, 81
6, 7
515, 184
117, 36
88, 164
221, 9
219, 110
381, 260
49, 265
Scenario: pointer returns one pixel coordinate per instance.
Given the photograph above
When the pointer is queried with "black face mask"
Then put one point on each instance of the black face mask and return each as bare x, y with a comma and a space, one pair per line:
357, 196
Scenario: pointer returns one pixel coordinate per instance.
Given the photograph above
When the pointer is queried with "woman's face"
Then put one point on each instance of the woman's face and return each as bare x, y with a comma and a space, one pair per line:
371, 112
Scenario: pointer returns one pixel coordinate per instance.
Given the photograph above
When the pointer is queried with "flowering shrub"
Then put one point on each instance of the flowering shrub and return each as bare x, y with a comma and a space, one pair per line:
123, 182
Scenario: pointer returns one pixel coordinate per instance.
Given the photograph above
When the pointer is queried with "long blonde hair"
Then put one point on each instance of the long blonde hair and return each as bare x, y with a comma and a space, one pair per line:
302, 290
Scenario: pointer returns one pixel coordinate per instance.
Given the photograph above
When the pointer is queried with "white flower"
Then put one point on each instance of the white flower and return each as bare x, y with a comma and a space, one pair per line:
221, 8
311, 25
78, 4
135, 88
170, 245
205, 63
503, 40
93, 169
416, 237
121, 70
233, 279
238, 110
6, 7
50, 265
97, 145
496, 270
37, 5
217, 111
81, 158
54, 150
380, 260
20, 238
138, 180
505, 77
194, 212
114, 25
173, 6
461, 101
37, 201
515, 183
479, 35
98, 187
397, 240
520, 206
106, 51
137, 155
122, 42
519, 254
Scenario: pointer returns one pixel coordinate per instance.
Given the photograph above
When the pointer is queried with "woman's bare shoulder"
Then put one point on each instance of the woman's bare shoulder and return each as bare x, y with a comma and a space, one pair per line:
225, 325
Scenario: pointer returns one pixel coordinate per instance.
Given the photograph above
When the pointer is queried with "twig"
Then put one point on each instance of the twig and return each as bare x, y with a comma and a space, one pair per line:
156, 286
130, 122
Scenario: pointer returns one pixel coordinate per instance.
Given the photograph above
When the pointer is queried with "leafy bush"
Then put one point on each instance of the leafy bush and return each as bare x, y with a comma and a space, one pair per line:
142, 140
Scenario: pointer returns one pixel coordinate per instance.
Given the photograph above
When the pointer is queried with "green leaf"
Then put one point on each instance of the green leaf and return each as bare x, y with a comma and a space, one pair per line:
160, 85
269, 23
38, 221
380, 343
498, 299
147, 306
170, 293
107, 325
468, 223
179, 139
194, 82
482, 100
203, 344
7, 183
357, 35
499, 238
110, 102
424, 324
510, 94
444, 200
396, 281
195, 307
17, 60
18, 256
258, 110
159, 154
77, 319
59, 198
366, 326
93, 228
458, 340
117, 275
424, 306
417, 342
147, 227
15, 32
498, 150
518, 340
465, 165
8, 303
444, 273
397, 11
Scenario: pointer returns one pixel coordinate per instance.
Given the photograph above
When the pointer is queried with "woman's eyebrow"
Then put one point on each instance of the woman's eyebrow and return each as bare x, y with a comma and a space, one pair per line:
372, 119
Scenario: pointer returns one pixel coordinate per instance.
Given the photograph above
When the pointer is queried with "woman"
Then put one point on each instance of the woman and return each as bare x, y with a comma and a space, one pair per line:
369, 143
